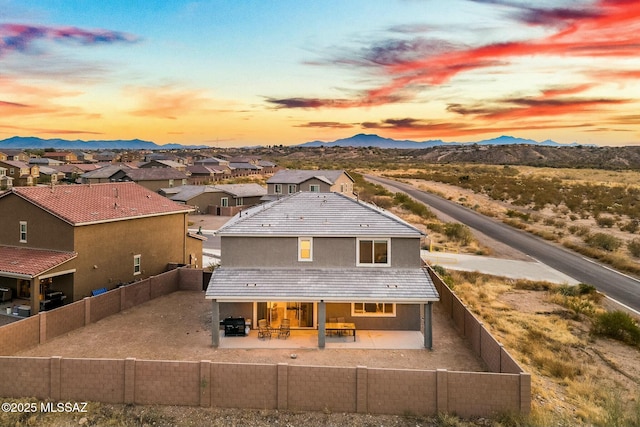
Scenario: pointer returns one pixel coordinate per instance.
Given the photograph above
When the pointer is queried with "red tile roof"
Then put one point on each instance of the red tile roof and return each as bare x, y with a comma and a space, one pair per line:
30, 262
90, 203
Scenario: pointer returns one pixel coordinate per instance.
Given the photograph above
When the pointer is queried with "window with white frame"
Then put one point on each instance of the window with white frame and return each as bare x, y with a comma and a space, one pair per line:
277, 188
292, 188
314, 188
171, 183
239, 201
305, 249
23, 231
137, 266
224, 202
373, 252
373, 309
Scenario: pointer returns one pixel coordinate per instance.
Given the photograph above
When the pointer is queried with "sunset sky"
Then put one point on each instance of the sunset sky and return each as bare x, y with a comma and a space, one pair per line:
235, 73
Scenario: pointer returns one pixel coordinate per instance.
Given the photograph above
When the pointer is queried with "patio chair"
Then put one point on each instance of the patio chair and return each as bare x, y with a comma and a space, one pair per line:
332, 320
340, 320
263, 329
285, 329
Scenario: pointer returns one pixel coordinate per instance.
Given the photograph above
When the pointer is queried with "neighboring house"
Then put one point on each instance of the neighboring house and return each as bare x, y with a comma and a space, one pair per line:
106, 156
164, 164
13, 154
84, 157
289, 181
50, 176
310, 257
221, 199
44, 161
201, 174
6, 182
211, 161
62, 156
78, 238
21, 173
152, 178
244, 168
103, 173
73, 171
268, 167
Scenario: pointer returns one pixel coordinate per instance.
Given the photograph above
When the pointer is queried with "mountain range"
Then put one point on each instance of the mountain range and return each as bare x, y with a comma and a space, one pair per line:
359, 140
119, 144
372, 140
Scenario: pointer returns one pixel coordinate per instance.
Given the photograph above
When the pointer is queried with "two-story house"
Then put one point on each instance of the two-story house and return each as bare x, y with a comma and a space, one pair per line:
309, 257
220, 199
289, 181
78, 238
21, 173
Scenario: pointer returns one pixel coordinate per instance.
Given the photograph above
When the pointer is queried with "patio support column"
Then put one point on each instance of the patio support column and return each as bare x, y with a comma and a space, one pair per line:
35, 295
428, 332
215, 323
322, 319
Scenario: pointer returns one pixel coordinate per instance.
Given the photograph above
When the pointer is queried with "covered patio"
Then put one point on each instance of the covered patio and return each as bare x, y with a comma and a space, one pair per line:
323, 286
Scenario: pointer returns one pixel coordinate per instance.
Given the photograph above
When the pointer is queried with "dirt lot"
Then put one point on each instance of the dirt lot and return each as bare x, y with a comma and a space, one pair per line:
177, 327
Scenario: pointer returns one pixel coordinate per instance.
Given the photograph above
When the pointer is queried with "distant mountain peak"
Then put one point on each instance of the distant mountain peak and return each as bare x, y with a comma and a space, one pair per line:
373, 140
64, 144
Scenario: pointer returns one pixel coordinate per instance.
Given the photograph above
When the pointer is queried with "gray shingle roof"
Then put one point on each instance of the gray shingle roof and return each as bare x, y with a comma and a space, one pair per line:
329, 285
291, 176
317, 214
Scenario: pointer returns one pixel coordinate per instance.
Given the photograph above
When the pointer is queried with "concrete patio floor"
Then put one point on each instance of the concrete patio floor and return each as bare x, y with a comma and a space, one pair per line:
303, 339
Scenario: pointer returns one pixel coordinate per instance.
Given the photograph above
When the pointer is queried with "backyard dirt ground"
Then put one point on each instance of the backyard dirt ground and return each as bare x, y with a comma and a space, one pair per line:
178, 327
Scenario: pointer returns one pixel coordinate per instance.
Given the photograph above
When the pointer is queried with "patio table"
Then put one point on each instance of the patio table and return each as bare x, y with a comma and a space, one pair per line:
341, 327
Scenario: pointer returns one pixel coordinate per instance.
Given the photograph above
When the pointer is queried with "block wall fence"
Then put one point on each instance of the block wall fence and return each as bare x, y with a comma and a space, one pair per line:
280, 386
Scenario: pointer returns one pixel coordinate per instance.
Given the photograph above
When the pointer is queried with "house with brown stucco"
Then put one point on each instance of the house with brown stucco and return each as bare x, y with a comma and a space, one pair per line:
219, 199
78, 238
289, 181
310, 257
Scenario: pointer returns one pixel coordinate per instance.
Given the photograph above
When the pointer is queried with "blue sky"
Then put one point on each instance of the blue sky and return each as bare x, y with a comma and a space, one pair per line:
233, 73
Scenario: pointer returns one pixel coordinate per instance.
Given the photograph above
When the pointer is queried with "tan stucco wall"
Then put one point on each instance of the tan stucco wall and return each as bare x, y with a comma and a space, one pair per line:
335, 252
44, 231
106, 250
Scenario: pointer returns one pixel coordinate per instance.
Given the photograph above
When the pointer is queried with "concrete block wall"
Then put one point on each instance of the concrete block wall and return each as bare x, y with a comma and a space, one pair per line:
159, 382
190, 279
20, 335
321, 388
468, 393
104, 305
60, 321
163, 284
244, 393
281, 386
413, 391
135, 294
99, 380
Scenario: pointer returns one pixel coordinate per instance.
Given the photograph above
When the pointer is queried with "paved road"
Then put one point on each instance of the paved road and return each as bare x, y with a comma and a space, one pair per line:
620, 287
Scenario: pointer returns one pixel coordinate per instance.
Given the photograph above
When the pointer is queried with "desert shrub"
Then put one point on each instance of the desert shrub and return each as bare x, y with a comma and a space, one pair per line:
603, 241
443, 274
605, 221
631, 226
414, 206
617, 325
634, 247
458, 232
436, 227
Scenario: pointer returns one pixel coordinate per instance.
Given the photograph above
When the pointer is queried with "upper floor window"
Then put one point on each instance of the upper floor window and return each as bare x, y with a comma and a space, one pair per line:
277, 188
292, 188
137, 266
373, 252
314, 188
305, 249
23, 231
239, 201
12, 171
170, 183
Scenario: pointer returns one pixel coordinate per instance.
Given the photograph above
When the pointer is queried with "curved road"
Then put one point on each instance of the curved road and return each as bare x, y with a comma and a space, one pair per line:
620, 287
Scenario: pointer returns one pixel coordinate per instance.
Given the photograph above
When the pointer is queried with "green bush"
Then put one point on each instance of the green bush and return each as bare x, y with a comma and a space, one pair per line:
634, 247
605, 221
617, 325
603, 241
458, 232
